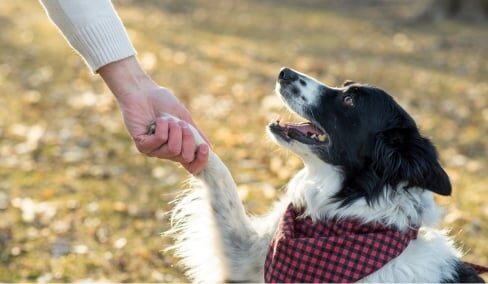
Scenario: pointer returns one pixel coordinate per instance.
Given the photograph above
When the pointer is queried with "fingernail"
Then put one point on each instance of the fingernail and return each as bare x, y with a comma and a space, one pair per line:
205, 150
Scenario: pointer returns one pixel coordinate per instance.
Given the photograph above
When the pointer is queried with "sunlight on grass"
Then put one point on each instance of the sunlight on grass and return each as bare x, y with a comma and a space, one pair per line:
78, 202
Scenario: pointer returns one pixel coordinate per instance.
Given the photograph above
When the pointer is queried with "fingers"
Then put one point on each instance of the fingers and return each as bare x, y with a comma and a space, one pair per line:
200, 162
174, 140
172, 149
148, 143
188, 145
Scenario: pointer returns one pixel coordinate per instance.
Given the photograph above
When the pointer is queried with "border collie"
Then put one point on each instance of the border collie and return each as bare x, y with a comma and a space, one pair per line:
364, 158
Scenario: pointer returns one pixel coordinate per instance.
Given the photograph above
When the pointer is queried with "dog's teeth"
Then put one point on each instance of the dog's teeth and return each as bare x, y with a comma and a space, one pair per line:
322, 138
314, 136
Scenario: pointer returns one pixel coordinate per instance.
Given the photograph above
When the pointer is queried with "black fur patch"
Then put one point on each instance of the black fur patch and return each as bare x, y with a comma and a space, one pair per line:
376, 143
464, 274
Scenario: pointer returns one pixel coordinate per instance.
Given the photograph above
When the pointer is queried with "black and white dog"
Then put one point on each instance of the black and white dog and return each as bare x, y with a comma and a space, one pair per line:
364, 158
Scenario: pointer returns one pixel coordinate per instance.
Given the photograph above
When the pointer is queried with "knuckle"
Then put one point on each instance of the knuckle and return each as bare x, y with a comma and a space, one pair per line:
187, 134
183, 125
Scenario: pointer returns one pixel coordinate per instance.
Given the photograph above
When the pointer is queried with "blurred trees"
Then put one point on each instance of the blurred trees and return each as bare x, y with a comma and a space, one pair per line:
472, 10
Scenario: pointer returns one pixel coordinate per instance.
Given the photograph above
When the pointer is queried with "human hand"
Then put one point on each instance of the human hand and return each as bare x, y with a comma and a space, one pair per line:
170, 139
142, 102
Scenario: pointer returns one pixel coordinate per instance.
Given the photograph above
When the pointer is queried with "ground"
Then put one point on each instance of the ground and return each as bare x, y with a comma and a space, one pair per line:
78, 202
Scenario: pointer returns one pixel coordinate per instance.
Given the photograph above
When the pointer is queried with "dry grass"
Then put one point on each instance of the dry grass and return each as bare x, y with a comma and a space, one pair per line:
78, 202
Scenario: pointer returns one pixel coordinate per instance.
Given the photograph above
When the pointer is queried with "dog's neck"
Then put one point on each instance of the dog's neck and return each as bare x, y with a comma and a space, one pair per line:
313, 188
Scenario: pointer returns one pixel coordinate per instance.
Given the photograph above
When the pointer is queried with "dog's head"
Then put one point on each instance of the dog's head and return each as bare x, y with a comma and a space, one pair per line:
361, 130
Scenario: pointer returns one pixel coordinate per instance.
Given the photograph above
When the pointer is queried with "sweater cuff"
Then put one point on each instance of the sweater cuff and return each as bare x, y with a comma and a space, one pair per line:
101, 43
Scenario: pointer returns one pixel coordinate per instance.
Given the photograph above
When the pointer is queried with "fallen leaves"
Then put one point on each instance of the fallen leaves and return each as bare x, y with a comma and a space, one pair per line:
79, 203
33, 210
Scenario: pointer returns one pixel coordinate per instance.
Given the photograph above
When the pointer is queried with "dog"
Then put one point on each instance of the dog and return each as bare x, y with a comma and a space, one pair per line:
364, 160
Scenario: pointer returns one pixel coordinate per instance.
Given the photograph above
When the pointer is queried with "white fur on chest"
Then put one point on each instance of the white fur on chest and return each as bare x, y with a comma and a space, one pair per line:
218, 242
313, 189
430, 258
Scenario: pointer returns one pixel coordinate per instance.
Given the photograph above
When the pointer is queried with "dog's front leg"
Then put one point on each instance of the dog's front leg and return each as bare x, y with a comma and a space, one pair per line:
214, 237
234, 230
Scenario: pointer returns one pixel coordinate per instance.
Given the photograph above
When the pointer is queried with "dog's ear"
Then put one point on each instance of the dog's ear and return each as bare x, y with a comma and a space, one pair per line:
403, 155
347, 83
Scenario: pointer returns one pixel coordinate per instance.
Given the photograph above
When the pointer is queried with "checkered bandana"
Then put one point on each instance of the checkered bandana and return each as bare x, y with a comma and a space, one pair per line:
345, 251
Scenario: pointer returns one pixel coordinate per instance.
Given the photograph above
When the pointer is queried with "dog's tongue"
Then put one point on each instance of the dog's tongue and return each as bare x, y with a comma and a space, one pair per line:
304, 128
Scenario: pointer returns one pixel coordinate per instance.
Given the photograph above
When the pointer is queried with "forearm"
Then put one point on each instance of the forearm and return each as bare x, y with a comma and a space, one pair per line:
125, 77
93, 29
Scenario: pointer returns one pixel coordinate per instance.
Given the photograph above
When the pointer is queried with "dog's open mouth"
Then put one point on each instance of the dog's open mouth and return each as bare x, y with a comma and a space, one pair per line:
306, 133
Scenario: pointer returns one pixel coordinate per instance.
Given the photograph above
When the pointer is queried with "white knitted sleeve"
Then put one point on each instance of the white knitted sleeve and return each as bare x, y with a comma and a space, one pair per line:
93, 29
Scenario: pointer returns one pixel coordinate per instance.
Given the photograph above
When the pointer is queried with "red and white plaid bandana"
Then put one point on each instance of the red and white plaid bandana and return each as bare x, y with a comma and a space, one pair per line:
332, 251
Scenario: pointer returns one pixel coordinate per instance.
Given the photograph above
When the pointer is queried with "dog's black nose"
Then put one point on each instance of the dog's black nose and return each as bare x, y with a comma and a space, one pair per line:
287, 75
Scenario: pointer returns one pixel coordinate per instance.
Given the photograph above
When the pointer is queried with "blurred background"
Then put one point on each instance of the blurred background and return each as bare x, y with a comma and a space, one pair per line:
79, 203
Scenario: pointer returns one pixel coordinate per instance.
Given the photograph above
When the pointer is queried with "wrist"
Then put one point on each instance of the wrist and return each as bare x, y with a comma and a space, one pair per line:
125, 77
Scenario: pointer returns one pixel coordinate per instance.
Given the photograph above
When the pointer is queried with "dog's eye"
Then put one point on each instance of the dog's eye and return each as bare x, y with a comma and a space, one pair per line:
348, 100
